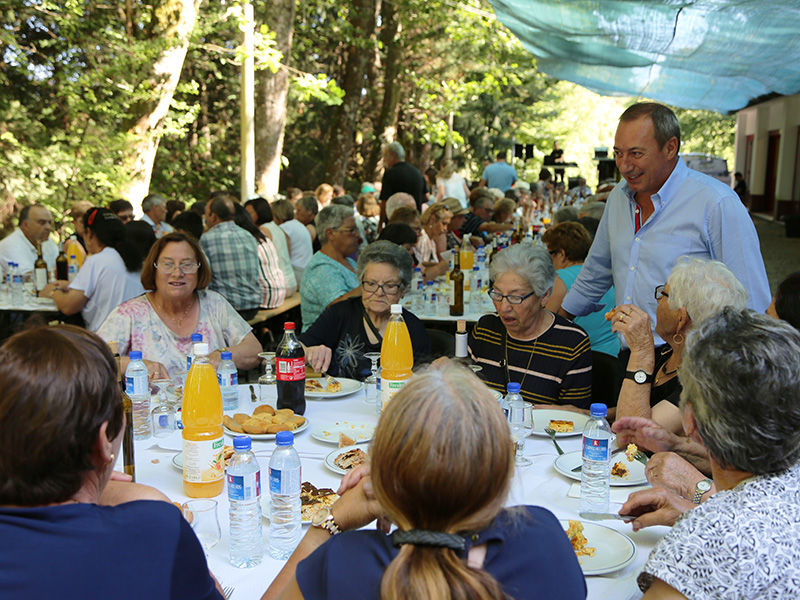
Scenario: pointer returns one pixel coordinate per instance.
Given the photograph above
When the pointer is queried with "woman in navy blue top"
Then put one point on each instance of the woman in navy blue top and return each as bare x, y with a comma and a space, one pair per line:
440, 468
61, 429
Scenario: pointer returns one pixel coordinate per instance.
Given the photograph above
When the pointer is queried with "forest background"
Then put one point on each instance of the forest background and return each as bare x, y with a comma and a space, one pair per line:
101, 100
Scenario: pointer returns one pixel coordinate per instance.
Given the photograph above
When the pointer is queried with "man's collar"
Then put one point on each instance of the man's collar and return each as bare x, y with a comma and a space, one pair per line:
667, 191
27, 239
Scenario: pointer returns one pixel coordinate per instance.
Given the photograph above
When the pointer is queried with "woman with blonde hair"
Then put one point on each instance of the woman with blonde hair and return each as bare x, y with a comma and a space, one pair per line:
433, 240
450, 184
324, 195
441, 468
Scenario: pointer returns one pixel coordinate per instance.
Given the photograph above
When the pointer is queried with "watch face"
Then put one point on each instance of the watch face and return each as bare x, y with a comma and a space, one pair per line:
640, 377
320, 516
703, 486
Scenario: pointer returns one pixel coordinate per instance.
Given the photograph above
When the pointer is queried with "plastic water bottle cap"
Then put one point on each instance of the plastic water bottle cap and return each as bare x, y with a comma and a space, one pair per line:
284, 438
288, 325
514, 388
417, 270
597, 410
197, 337
135, 355
201, 349
242, 442
397, 309
226, 356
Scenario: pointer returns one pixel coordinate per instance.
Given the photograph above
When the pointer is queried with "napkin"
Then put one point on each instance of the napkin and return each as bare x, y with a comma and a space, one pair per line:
617, 494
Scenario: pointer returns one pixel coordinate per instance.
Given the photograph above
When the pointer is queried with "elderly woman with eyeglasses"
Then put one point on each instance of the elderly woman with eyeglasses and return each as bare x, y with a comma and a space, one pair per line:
695, 291
549, 356
338, 340
161, 321
330, 275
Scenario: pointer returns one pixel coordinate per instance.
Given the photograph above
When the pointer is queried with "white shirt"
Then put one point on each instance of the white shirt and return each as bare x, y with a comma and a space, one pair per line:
104, 280
17, 248
161, 229
453, 187
302, 248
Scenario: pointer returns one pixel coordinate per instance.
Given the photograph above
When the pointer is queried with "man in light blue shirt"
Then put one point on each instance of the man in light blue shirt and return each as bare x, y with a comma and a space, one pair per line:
661, 211
500, 174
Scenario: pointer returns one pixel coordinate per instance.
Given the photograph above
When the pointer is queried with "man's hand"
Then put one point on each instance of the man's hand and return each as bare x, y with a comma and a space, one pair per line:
670, 471
656, 506
645, 434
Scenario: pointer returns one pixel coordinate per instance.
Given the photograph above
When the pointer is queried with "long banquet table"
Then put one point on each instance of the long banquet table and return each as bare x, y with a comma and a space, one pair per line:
538, 484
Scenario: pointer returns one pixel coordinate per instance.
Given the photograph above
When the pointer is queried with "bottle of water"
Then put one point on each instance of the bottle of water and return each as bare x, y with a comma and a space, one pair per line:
430, 297
417, 291
596, 471
196, 338
228, 378
512, 395
73, 267
16, 285
244, 497
284, 489
476, 290
138, 389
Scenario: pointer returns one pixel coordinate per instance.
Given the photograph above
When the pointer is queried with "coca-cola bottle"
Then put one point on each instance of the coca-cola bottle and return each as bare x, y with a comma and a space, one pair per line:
290, 363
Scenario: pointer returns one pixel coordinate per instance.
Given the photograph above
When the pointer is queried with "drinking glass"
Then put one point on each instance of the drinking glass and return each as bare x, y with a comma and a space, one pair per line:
520, 421
268, 378
373, 378
202, 516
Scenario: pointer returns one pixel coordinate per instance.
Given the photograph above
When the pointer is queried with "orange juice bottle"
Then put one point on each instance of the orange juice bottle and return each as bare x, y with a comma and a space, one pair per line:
467, 255
203, 466
397, 357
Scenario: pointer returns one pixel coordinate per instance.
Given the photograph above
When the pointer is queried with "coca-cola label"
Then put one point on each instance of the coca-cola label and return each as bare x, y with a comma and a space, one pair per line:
291, 369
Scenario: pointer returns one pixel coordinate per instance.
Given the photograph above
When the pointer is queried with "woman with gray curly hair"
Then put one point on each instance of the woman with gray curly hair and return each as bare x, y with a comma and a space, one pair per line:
338, 340
741, 401
695, 290
330, 275
524, 342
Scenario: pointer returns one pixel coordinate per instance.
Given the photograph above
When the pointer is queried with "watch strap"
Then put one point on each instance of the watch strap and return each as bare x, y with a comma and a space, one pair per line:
700, 489
328, 524
648, 377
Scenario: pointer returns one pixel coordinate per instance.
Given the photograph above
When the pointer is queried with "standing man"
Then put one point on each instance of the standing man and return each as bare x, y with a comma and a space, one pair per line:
35, 225
154, 208
399, 176
660, 212
499, 174
741, 187
233, 255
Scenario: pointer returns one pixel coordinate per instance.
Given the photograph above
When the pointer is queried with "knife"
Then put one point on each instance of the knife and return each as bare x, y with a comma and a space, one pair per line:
606, 517
579, 467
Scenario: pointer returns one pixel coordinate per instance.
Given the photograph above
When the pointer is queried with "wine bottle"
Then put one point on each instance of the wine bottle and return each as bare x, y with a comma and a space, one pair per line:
456, 287
39, 269
127, 408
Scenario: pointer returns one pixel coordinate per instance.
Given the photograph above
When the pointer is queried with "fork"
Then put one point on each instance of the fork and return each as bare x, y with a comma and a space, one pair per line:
228, 591
552, 435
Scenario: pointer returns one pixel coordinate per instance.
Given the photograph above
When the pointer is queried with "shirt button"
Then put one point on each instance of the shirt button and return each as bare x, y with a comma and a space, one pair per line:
637, 239
633, 268
628, 298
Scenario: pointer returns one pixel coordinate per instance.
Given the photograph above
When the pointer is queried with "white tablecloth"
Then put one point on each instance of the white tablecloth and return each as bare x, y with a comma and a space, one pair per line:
538, 484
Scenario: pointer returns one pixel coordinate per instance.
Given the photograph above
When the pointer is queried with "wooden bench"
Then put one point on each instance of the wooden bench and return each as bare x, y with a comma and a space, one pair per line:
289, 303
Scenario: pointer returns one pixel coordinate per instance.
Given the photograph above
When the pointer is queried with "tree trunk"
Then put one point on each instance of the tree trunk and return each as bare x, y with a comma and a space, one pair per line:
271, 92
384, 128
363, 18
175, 21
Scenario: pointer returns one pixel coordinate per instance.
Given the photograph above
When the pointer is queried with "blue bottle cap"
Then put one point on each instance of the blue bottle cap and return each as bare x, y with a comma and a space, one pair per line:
242, 442
226, 356
197, 337
284, 438
513, 387
135, 355
598, 410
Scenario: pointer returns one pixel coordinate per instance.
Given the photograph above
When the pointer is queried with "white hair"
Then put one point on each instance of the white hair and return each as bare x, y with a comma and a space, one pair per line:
397, 149
532, 263
397, 200
704, 288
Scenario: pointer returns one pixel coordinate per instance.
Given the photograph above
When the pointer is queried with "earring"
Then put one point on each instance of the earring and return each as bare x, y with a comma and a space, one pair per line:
675, 338
111, 460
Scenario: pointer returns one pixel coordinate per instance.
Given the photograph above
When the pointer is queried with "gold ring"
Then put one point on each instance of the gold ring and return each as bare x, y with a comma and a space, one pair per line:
629, 312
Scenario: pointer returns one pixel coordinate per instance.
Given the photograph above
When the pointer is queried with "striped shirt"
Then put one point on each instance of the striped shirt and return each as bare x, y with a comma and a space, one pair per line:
272, 281
555, 368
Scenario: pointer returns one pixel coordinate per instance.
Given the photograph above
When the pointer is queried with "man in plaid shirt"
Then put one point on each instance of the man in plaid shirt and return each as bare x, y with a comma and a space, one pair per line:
233, 255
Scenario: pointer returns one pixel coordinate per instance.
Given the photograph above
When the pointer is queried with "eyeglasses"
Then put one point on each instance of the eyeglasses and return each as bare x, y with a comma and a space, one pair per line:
168, 268
553, 252
390, 289
511, 298
660, 292
349, 230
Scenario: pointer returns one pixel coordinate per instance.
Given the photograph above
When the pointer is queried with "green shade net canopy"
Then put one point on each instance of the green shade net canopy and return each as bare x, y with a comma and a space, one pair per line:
718, 55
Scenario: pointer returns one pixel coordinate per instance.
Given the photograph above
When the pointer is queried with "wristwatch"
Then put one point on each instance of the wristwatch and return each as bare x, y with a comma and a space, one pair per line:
639, 376
323, 519
701, 488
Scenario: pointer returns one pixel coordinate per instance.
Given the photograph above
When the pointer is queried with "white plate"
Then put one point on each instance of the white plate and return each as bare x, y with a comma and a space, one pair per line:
171, 442
566, 462
543, 416
264, 436
349, 386
329, 460
177, 461
357, 431
615, 550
